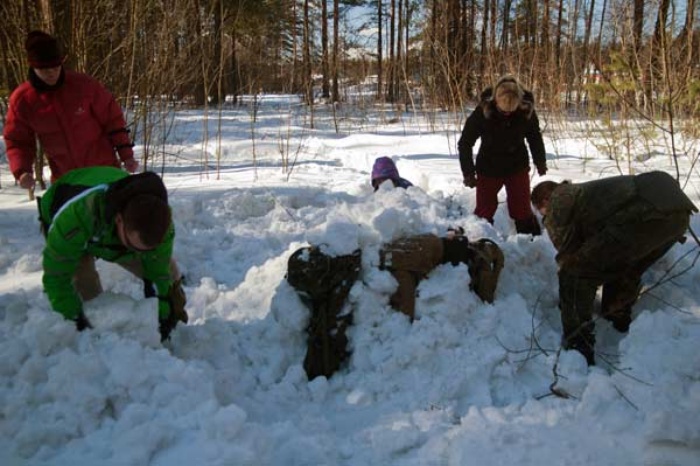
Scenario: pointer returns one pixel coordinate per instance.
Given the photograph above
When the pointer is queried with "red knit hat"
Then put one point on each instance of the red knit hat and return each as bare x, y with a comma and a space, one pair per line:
43, 50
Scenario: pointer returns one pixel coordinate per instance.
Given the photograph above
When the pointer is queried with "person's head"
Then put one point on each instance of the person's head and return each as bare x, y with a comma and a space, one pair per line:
382, 170
508, 94
541, 194
143, 222
44, 56
385, 169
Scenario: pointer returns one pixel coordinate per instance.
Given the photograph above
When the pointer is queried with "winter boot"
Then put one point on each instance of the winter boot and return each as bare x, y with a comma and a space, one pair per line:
528, 226
485, 267
618, 298
583, 341
620, 320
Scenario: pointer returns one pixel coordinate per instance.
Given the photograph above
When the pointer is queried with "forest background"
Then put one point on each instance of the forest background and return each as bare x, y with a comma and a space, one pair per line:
634, 66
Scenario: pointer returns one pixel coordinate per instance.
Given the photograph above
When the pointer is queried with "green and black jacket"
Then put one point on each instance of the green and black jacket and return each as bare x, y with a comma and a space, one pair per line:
78, 213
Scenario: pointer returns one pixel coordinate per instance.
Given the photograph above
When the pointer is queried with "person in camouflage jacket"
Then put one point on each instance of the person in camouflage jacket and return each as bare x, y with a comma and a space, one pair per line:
608, 232
102, 212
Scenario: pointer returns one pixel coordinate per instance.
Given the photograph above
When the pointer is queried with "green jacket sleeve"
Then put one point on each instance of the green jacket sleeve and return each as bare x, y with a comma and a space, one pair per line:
65, 246
156, 267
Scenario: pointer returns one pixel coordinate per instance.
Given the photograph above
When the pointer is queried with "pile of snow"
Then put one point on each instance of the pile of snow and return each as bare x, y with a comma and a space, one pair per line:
466, 383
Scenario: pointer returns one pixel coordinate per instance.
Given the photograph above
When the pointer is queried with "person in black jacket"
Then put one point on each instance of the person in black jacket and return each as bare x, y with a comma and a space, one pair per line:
504, 119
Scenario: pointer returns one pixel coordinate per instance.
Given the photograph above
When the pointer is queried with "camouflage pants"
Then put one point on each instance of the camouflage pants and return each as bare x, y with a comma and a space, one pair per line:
576, 304
632, 250
323, 283
409, 260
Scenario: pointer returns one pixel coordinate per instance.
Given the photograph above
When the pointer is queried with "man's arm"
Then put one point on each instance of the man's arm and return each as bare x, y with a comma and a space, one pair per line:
65, 246
111, 119
20, 140
156, 268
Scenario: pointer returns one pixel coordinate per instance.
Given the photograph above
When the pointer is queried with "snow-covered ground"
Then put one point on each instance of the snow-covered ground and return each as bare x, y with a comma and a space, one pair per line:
466, 384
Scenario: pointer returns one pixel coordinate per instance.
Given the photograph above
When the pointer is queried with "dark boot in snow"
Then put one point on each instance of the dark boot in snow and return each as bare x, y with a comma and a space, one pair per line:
582, 341
529, 226
618, 298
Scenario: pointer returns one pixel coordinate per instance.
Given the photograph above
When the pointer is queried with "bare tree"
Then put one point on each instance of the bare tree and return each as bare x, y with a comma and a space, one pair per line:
380, 51
336, 41
325, 86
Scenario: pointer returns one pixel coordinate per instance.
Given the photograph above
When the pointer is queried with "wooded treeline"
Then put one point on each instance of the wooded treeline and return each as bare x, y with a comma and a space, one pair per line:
585, 53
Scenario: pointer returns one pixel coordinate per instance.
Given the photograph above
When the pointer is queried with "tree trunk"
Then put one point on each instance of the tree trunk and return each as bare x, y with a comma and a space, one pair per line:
685, 38
484, 45
400, 68
325, 86
392, 65
336, 34
308, 83
504, 37
546, 71
584, 56
558, 57
380, 92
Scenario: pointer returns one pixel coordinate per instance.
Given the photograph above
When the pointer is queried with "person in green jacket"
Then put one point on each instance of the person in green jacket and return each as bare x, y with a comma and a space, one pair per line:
608, 232
105, 213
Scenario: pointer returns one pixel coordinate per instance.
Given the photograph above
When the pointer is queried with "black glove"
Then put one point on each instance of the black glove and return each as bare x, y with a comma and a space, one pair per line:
166, 326
149, 291
470, 180
541, 170
176, 300
82, 322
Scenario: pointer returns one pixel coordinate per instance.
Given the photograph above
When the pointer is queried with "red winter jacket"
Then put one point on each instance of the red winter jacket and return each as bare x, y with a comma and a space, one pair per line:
78, 123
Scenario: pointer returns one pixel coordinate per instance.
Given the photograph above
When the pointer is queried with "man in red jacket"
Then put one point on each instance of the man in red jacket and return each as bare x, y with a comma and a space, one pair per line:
76, 120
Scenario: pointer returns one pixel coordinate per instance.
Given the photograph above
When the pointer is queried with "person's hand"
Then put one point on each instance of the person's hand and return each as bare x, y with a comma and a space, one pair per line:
176, 300
542, 170
82, 322
165, 326
470, 180
131, 165
26, 181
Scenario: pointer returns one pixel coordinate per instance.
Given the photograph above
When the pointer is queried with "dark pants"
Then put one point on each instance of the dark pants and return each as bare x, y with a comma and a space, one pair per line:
638, 246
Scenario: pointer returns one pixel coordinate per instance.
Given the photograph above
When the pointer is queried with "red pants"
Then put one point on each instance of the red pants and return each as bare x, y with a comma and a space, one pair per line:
517, 191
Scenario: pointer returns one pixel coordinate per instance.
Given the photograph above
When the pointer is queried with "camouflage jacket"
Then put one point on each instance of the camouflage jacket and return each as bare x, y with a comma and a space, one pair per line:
578, 213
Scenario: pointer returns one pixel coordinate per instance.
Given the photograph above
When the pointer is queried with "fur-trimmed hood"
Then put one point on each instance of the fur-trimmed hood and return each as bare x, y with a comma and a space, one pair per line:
488, 103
